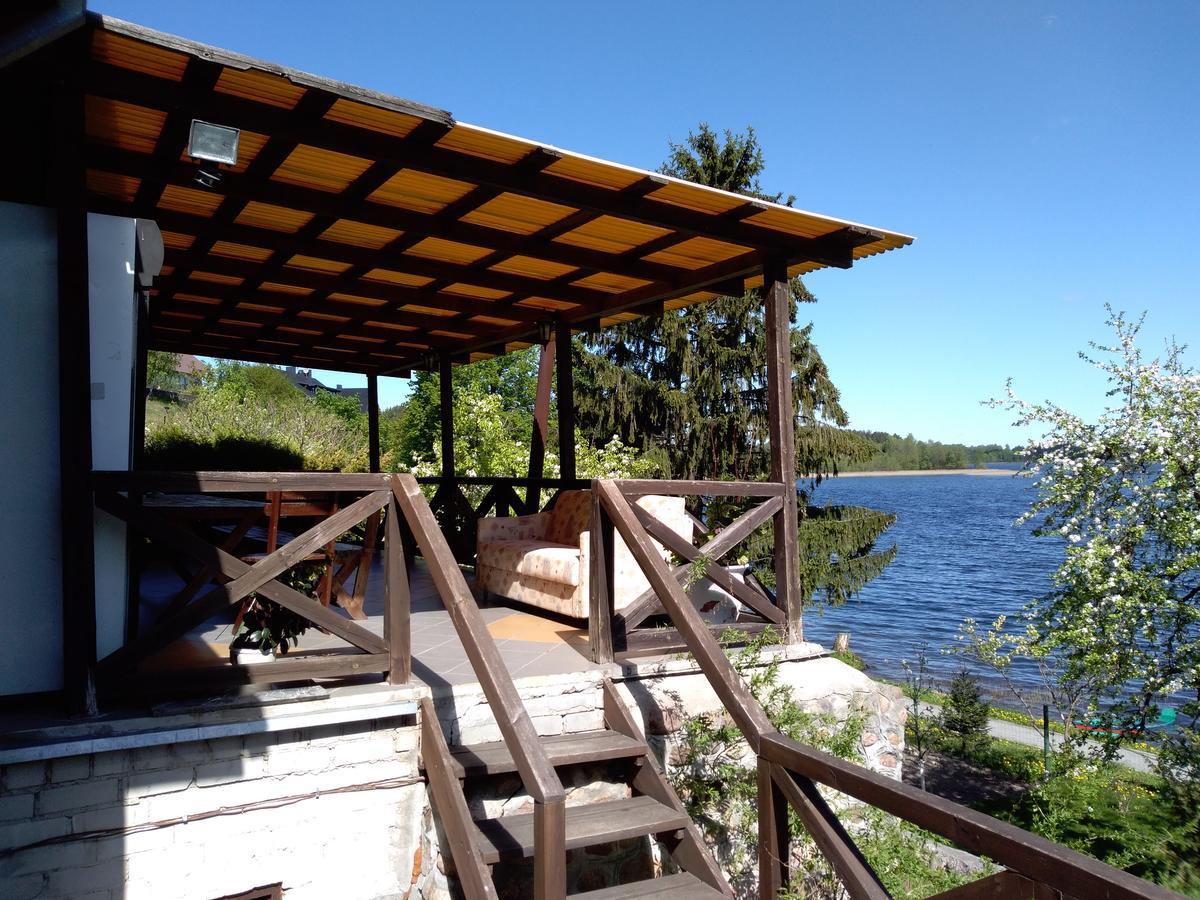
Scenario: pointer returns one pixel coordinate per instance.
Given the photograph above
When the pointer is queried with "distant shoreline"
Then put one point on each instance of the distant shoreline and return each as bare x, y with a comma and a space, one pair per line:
983, 473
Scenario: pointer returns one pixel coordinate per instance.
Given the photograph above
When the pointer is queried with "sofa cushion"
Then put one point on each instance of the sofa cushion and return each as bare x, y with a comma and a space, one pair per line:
538, 559
571, 516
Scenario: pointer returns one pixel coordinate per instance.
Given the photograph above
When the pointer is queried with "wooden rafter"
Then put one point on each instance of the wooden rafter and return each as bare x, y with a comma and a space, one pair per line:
467, 239
325, 134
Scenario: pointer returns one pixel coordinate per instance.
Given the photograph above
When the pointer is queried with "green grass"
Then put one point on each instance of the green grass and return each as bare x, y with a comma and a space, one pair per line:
156, 411
1104, 810
850, 658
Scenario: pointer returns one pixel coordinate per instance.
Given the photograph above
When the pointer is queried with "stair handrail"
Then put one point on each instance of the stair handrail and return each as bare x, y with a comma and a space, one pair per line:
1035, 858
537, 773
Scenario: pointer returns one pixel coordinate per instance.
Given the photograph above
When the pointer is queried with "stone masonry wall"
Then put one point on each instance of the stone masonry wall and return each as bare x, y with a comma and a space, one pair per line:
303, 827
338, 811
664, 696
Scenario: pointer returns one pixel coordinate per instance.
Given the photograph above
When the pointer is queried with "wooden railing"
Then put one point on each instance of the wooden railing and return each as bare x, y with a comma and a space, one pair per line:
789, 772
135, 498
458, 515
131, 497
610, 630
537, 774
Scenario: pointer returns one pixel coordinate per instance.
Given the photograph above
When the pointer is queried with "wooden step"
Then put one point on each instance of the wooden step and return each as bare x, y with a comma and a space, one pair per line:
595, 823
563, 750
683, 886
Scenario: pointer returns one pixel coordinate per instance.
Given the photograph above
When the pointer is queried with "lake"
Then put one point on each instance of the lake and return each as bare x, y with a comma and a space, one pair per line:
960, 556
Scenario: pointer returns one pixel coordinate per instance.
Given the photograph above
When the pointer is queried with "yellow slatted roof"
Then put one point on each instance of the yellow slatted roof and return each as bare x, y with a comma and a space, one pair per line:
363, 232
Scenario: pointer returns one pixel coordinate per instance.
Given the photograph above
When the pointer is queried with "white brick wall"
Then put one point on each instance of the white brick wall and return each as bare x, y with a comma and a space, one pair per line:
359, 844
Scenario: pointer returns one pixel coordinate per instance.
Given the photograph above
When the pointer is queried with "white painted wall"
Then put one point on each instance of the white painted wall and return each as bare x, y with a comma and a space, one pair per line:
31, 600
112, 308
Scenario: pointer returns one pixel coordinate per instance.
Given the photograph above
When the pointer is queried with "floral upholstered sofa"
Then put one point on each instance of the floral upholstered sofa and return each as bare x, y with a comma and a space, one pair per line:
543, 559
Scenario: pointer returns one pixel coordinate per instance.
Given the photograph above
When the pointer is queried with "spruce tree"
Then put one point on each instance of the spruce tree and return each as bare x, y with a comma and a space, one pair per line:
965, 712
689, 388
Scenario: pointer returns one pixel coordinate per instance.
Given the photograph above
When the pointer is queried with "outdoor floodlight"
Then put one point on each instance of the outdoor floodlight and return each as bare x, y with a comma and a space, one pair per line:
215, 144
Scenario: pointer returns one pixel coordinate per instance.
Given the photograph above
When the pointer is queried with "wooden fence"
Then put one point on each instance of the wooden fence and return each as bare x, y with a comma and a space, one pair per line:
788, 771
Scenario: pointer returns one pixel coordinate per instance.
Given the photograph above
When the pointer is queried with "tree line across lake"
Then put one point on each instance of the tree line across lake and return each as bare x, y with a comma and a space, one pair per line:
894, 453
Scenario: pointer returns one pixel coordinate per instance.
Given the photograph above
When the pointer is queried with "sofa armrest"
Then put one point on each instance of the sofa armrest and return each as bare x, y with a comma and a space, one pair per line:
512, 528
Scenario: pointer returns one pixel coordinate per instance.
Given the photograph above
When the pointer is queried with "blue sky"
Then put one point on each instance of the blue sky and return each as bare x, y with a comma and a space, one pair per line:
1044, 154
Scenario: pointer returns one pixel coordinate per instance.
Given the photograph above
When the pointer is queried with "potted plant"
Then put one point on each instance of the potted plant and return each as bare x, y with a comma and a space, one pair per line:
265, 628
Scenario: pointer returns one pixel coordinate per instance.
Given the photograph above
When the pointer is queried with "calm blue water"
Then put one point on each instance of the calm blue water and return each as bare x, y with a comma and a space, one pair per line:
960, 555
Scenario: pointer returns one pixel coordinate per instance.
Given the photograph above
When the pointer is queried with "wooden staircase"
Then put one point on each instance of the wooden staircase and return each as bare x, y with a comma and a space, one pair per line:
652, 809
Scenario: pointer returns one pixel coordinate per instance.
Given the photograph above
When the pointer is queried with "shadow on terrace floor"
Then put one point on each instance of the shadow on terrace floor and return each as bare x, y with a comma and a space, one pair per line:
530, 642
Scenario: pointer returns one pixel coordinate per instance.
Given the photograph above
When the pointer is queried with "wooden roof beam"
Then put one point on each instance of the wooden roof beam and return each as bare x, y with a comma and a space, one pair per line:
384, 258
394, 295
241, 352
311, 106
349, 313
199, 78
838, 247
323, 203
241, 113
394, 251
243, 332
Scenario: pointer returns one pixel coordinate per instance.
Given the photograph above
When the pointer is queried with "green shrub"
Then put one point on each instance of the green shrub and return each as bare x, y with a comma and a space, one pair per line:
254, 407
172, 449
714, 775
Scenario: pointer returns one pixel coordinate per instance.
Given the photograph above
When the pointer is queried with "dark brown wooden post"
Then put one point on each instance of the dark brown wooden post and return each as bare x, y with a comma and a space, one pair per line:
74, 387
566, 401
782, 419
373, 421
774, 839
446, 411
541, 428
600, 582
397, 621
133, 546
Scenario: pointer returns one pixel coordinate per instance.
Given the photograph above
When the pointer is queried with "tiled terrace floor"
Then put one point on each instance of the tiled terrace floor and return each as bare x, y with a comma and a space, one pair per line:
530, 641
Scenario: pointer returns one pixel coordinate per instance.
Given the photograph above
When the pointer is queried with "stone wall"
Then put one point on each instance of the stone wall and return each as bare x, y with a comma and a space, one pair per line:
663, 695
334, 811
557, 704
341, 810
666, 695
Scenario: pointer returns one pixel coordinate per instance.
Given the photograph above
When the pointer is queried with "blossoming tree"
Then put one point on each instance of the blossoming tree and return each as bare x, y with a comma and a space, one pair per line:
1123, 615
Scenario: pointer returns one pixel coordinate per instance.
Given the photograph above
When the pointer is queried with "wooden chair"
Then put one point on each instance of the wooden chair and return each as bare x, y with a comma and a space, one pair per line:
341, 560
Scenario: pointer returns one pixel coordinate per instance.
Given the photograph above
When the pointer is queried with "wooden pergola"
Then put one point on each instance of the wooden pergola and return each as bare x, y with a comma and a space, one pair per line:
365, 233
370, 234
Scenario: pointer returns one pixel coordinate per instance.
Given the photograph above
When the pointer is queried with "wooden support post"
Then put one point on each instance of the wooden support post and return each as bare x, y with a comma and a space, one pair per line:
397, 623
774, 839
373, 422
446, 412
541, 429
550, 852
141, 325
566, 401
600, 583
74, 386
782, 419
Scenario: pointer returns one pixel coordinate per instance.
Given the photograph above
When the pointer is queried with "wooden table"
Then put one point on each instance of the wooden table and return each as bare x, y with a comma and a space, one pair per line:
243, 514
210, 509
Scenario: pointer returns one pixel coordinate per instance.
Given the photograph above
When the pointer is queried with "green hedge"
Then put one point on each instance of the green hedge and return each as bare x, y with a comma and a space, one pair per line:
170, 449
